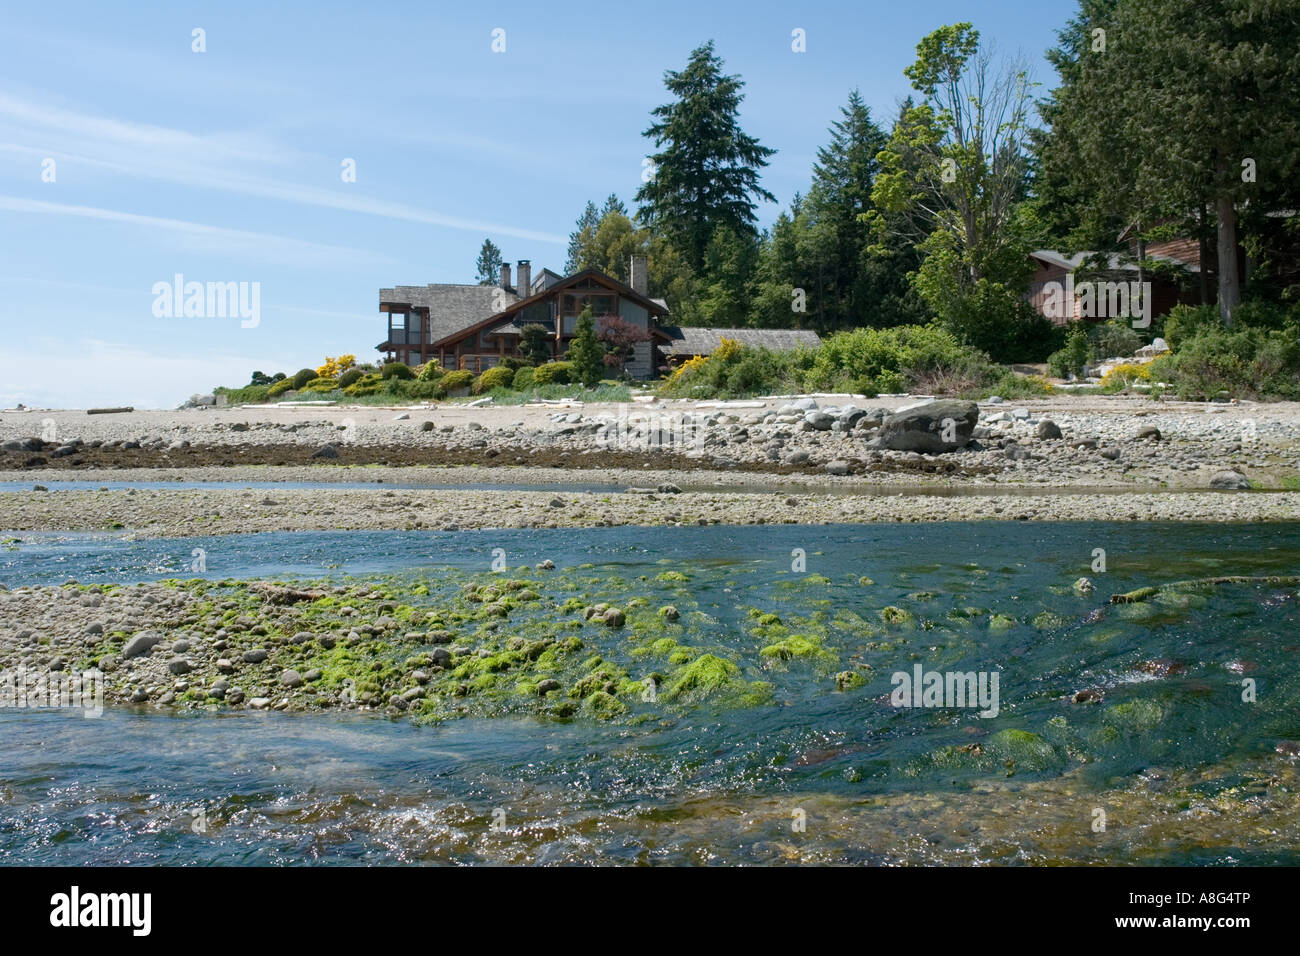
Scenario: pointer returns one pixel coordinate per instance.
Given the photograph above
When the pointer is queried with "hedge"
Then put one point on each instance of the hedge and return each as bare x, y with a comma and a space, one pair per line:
553, 373
499, 377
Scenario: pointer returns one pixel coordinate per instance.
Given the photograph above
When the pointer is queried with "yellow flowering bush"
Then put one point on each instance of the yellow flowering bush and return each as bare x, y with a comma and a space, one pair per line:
727, 350
1126, 374
333, 367
688, 367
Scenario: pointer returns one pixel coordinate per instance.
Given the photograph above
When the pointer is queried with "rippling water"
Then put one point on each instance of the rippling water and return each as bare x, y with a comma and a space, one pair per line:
1182, 768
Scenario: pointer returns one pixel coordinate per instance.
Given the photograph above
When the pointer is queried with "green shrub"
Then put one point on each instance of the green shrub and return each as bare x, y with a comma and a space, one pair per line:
997, 321
1241, 362
368, 384
1114, 339
913, 352
420, 390
1184, 321
553, 373
248, 395
430, 372
321, 385
497, 377
303, 376
523, 378
350, 376
461, 378
1073, 356
397, 370
279, 388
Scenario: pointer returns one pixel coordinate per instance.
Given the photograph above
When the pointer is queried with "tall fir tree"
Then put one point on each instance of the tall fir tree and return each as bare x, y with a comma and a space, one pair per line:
488, 267
706, 169
581, 239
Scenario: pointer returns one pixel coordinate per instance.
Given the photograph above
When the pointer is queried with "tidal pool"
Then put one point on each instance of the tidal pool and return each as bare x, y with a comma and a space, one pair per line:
1153, 731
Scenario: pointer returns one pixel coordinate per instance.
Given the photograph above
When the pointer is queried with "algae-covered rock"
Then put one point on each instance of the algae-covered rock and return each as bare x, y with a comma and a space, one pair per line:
704, 675
1027, 751
849, 680
895, 615
1136, 716
604, 705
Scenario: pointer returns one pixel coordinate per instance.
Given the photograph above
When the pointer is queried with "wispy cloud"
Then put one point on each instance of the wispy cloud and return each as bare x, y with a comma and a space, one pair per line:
227, 162
200, 235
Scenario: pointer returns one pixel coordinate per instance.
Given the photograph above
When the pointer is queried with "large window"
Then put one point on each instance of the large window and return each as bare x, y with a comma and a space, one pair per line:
572, 303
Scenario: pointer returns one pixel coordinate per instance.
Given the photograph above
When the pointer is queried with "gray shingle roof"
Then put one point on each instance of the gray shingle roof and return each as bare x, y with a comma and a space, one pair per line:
702, 341
451, 307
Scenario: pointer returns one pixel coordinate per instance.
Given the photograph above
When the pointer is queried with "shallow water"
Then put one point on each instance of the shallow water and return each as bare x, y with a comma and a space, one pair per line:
1185, 770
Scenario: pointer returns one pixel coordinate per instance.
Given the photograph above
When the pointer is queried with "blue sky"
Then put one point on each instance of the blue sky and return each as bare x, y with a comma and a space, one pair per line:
224, 166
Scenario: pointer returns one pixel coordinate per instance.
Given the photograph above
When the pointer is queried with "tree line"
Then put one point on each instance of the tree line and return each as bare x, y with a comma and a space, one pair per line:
1167, 119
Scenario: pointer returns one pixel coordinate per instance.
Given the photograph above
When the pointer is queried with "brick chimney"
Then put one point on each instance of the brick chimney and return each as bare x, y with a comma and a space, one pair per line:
636, 276
525, 277
505, 275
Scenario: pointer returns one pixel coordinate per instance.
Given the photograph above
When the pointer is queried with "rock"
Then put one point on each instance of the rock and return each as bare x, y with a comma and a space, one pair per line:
291, 678
668, 488
837, 467
234, 695
933, 427
805, 404
1020, 413
302, 637
324, 451
996, 399
1047, 430
256, 656
426, 426
669, 613
142, 643
1231, 480
1084, 443
613, 617
260, 703
1148, 432
179, 666
404, 416
547, 686
181, 646
441, 657
797, 458
225, 666
819, 420
557, 503
547, 565
1110, 452
1087, 697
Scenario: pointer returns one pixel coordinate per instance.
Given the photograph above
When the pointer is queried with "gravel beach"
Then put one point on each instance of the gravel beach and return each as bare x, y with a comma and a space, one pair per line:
778, 460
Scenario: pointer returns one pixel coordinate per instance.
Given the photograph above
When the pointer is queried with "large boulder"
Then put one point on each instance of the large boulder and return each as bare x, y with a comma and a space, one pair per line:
932, 427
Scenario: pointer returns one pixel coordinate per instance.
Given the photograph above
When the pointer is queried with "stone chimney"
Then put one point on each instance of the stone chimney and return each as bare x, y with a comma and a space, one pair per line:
636, 276
525, 277
505, 275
